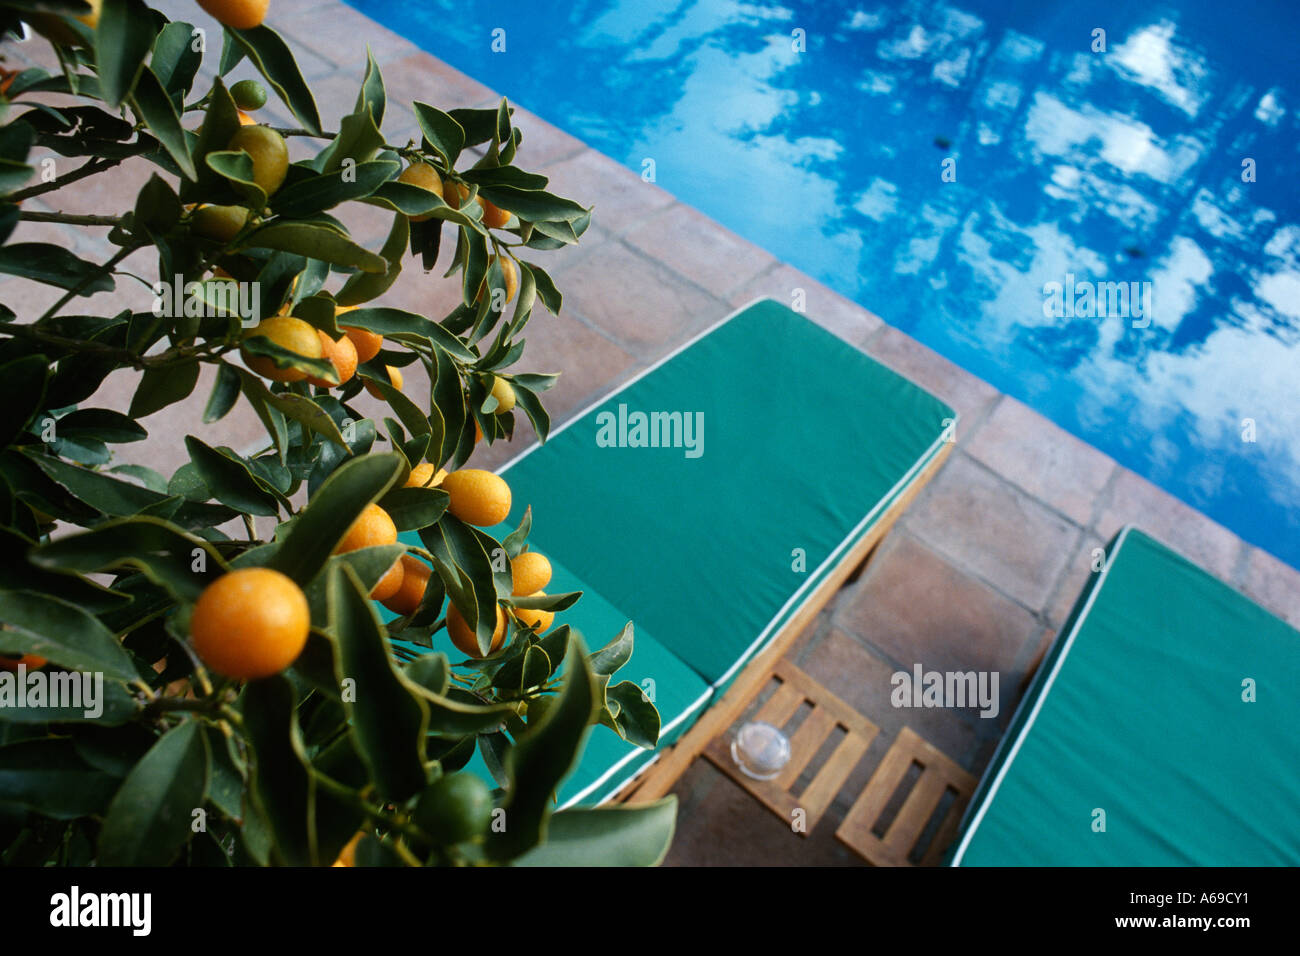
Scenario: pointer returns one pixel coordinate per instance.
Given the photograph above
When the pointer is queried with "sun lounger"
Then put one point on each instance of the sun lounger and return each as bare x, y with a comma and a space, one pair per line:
717, 500
1158, 731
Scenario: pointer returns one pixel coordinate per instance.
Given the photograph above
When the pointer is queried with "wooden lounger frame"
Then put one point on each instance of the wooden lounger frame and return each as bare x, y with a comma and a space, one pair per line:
661, 775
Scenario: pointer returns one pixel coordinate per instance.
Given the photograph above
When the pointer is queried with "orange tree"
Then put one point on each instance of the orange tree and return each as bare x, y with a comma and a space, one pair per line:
255, 709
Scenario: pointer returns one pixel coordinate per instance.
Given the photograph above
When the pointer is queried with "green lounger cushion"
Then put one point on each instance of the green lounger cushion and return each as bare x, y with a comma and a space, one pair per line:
805, 441
1139, 712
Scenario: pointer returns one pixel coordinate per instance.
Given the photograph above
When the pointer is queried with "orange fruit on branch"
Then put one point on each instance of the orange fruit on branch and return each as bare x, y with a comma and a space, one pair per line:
478, 497
424, 476
371, 529
415, 578
464, 639
250, 623
222, 223
342, 354
532, 617
238, 14
394, 377
289, 333
367, 343
269, 152
530, 572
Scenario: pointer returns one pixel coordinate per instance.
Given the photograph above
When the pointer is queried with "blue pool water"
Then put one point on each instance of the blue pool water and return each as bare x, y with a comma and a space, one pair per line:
1116, 166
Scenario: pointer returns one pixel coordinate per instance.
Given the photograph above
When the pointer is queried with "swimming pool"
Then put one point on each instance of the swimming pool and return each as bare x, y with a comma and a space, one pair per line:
1065, 169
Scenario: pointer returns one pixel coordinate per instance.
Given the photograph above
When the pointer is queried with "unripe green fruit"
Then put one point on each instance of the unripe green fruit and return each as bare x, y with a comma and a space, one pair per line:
249, 94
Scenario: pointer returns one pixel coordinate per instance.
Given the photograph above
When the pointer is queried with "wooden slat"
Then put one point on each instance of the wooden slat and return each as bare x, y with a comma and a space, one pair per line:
781, 706
905, 829
804, 744
830, 778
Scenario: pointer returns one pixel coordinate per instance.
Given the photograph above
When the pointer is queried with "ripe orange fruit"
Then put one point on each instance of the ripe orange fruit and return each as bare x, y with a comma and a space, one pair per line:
372, 528
530, 572
464, 638
478, 497
415, 578
423, 476
454, 194
269, 152
367, 343
424, 176
536, 619
218, 222
504, 393
288, 333
394, 376
239, 14
493, 216
246, 120
390, 583
250, 623
341, 354
478, 432
30, 661
509, 273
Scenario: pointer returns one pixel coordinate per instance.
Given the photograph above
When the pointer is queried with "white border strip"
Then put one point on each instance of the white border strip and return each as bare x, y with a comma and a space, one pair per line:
1038, 700
852, 537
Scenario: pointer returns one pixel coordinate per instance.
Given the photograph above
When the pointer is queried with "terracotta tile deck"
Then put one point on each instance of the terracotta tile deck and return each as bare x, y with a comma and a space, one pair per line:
980, 573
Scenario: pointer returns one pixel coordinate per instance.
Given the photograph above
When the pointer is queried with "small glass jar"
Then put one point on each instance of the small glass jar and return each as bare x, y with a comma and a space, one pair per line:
760, 750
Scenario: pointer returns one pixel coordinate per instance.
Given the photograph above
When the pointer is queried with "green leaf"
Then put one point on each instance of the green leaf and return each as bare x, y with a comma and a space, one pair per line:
441, 131
123, 39
220, 122
298, 408
281, 788
162, 386
358, 139
415, 508
274, 60
546, 290
230, 480
398, 322
544, 755
372, 90
532, 205
607, 836
387, 716
637, 719
364, 286
319, 527
475, 593
165, 554
150, 817
175, 61
22, 394
326, 190
101, 423
109, 495
225, 392
613, 655
532, 405
315, 242
53, 265
236, 167
44, 625
157, 208
114, 706
158, 112
432, 672
48, 777
514, 541
547, 602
